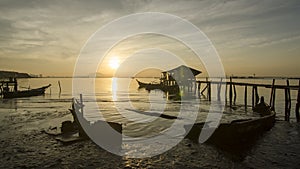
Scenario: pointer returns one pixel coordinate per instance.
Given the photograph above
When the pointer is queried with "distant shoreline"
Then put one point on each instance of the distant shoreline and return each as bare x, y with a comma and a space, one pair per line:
239, 77
13, 74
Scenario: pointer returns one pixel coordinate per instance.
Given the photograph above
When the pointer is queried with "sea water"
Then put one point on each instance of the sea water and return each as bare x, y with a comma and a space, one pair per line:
127, 104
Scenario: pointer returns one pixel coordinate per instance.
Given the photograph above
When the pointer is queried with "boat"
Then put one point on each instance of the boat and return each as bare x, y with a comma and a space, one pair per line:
81, 129
172, 80
234, 133
159, 86
24, 93
143, 85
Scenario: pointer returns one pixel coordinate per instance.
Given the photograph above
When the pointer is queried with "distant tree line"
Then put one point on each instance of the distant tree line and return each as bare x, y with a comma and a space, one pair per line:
8, 74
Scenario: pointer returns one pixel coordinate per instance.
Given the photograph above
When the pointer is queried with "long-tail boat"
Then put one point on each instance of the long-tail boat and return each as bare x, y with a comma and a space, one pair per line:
25, 93
9, 89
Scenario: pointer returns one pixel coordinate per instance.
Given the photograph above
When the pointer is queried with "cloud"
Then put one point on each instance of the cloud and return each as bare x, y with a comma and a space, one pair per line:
56, 30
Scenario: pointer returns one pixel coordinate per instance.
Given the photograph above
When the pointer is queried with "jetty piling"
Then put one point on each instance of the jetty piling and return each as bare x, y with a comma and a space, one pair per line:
272, 97
209, 91
287, 101
245, 97
226, 93
298, 104
234, 94
81, 102
253, 96
219, 87
230, 92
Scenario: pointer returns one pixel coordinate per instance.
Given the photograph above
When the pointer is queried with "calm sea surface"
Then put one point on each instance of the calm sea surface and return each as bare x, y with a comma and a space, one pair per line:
120, 100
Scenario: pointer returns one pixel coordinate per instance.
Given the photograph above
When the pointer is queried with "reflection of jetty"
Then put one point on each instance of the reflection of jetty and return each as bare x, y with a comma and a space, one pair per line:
9, 89
174, 80
255, 96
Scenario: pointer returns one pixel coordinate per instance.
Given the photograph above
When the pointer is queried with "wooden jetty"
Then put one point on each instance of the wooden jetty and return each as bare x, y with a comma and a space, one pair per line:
255, 96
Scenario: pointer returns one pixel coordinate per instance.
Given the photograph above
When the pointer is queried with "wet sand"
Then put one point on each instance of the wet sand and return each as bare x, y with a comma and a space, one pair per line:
24, 145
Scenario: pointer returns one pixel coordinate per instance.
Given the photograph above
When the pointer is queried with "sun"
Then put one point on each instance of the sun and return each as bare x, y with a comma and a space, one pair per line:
114, 63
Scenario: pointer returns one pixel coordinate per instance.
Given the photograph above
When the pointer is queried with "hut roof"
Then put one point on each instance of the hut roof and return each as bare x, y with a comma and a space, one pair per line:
183, 67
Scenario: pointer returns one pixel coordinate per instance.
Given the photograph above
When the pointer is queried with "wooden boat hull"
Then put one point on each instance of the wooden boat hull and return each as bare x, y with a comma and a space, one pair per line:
110, 140
154, 86
235, 133
26, 93
81, 129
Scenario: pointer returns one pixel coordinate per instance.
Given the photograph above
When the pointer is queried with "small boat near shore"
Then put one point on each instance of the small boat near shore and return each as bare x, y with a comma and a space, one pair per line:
235, 133
159, 86
25, 93
9, 89
81, 129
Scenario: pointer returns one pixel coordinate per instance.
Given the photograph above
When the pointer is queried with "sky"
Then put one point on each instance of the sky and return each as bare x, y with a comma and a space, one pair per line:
259, 37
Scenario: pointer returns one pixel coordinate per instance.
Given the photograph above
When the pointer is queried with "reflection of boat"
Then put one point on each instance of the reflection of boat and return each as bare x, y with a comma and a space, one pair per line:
25, 93
235, 133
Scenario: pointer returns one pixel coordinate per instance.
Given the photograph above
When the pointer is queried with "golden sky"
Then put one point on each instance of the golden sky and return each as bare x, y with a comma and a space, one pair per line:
259, 37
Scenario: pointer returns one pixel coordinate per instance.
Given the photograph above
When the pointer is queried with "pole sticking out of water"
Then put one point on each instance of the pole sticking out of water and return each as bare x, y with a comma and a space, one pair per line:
245, 97
81, 104
219, 86
59, 87
287, 101
272, 98
230, 92
234, 95
298, 105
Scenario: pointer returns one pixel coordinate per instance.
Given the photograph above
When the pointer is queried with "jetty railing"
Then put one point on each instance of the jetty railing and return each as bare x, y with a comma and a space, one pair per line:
255, 96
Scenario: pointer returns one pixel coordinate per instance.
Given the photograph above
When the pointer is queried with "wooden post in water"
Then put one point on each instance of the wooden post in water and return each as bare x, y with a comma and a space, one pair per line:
287, 101
230, 92
209, 91
234, 92
226, 93
245, 97
208, 85
81, 104
59, 87
199, 86
298, 104
253, 96
272, 97
256, 96
219, 90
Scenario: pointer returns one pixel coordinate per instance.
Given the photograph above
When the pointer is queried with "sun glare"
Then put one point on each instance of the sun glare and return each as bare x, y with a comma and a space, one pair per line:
114, 63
